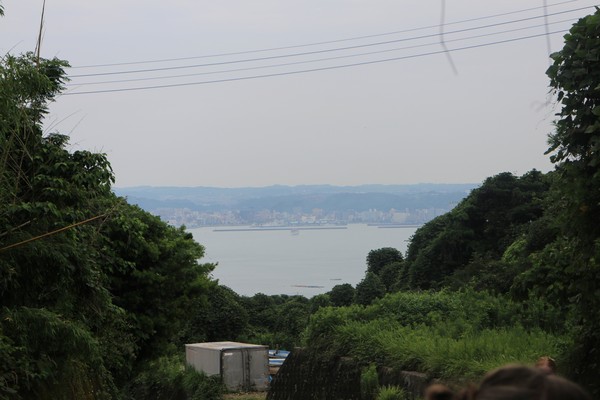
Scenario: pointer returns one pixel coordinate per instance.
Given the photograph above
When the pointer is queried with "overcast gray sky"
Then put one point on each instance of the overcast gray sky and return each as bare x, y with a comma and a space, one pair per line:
371, 113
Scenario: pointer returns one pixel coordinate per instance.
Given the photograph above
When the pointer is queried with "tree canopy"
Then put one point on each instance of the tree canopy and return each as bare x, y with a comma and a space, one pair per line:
483, 225
574, 258
90, 286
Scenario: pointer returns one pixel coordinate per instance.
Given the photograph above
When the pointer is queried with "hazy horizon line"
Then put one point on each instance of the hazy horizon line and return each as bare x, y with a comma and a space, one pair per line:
293, 186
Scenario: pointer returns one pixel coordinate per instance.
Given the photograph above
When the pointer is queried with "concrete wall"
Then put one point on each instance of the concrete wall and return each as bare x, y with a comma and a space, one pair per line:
303, 377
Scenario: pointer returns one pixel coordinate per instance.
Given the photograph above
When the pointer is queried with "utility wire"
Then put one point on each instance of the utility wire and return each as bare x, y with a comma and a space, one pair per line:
313, 60
321, 51
548, 45
309, 70
324, 42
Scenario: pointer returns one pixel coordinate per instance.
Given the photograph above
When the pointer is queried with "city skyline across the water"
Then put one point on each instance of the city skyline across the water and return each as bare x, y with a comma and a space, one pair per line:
298, 205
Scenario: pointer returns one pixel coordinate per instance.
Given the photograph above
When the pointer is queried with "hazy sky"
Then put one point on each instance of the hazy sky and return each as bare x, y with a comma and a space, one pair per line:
397, 117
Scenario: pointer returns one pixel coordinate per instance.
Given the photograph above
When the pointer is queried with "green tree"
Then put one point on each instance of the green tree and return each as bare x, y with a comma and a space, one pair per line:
292, 318
261, 311
319, 301
342, 295
450, 248
369, 289
573, 259
394, 276
57, 319
377, 259
89, 285
481, 227
220, 318
279, 320
154, 276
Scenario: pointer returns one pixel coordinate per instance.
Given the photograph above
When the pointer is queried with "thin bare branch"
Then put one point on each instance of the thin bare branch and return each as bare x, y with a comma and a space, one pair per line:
442, 42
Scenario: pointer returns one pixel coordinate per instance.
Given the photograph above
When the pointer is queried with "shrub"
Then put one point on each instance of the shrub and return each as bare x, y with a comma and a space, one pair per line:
454, 336
168, 378
391, 393
369, 383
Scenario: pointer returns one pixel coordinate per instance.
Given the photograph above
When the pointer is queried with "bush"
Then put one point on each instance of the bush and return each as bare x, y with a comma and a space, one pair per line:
391, 393
369, 383
168, 378
454, 336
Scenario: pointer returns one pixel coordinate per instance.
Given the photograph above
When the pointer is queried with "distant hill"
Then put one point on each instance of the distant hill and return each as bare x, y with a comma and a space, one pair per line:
298, 198
293, 205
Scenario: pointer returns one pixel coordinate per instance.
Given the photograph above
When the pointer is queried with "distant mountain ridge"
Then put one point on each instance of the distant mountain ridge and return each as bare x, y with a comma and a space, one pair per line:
298, 198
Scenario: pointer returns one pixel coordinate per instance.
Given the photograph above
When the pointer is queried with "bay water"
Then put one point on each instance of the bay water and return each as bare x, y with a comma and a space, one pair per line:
294, 261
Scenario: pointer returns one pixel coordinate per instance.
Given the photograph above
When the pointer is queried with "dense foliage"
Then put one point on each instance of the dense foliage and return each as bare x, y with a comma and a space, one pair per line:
451, 335
92, 289
51, 287
574, 258
462, 243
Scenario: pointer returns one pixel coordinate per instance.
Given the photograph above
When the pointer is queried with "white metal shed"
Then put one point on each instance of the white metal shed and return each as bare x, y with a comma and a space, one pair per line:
242, 366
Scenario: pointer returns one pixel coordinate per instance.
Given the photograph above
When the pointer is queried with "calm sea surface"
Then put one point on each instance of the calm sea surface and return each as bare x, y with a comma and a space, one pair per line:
285, 262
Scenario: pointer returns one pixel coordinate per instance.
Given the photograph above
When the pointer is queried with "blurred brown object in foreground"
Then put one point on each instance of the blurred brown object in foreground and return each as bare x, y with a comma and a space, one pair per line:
438, 391
546, 364
523, 383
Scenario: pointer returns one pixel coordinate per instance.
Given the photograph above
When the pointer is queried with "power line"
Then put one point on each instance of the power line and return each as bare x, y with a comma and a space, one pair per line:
314, 60
309, 70
324, 42
322, 51
548, 46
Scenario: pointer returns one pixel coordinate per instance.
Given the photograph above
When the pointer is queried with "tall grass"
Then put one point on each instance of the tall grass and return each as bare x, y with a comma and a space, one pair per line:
168, 378
453, 336
466, 357
369, 383
391, 393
